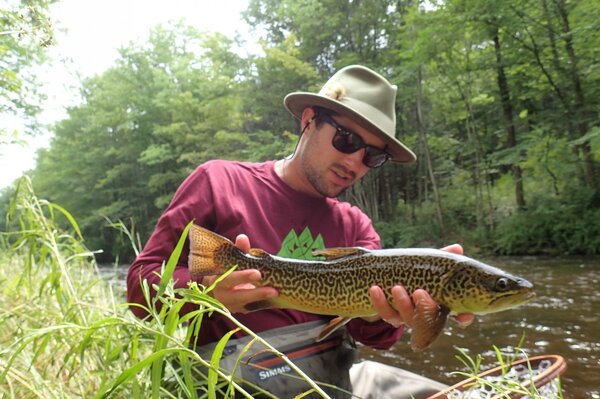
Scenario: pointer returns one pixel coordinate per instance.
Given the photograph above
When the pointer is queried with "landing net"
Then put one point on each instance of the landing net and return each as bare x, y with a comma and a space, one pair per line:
519, 381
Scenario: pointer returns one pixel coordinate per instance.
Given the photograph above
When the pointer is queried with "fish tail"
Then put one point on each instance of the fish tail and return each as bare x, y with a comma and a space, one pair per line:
206, 249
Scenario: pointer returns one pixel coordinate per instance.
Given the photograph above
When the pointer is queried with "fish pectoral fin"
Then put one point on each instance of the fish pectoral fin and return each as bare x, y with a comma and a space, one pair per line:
334, 325
338, 253
428, 322
260, 305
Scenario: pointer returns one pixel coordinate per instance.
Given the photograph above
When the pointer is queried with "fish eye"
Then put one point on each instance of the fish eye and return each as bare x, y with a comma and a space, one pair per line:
502, 284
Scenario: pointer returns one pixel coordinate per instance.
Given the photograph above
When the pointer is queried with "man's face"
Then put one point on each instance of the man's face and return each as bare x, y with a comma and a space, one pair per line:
329, 171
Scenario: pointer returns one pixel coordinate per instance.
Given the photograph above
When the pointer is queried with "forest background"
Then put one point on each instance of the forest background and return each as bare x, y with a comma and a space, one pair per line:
499, 100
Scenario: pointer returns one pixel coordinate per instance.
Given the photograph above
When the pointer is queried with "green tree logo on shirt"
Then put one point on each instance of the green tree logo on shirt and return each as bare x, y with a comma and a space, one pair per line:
301, 246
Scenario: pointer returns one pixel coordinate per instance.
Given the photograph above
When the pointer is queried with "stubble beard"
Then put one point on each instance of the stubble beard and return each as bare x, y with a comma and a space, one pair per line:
317, 181
315, 176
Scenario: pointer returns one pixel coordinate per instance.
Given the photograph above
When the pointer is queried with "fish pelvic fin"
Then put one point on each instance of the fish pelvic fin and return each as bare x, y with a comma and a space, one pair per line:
428, 322
260, 305
206, 247
334, 325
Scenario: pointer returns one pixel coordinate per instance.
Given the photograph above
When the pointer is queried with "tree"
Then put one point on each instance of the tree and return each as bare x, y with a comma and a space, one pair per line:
143, 126
25, 32
265, 85
498, 100
583, 111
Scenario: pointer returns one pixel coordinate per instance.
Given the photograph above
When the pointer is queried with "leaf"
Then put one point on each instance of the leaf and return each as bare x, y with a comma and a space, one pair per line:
172, 262
592, 134
523, 114
214, 363
133, 371
69, 217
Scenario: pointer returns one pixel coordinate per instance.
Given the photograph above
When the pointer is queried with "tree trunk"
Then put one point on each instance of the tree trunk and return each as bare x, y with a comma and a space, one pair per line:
581, 111
423, 134
364, 194
507, 111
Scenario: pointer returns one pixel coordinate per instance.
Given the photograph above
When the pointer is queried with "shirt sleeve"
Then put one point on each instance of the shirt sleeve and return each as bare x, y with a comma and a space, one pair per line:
378, 334
192, 201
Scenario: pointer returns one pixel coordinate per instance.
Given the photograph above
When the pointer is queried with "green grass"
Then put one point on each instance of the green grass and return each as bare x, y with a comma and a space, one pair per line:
65, 333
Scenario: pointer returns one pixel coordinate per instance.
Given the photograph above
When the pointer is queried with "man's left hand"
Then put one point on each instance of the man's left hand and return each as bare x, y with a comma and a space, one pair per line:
403, 309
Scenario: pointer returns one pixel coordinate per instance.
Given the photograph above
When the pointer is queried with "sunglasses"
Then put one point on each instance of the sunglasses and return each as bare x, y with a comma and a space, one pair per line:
349, 142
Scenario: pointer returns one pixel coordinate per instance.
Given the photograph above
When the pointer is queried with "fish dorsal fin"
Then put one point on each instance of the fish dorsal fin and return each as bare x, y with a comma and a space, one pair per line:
258, 253
334, 325
428, 322
340, 252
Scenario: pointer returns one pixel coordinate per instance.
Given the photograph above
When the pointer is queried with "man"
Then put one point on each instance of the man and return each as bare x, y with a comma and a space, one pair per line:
346, 129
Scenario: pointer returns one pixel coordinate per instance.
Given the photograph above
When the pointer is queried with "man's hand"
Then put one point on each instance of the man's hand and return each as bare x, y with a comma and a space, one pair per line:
403, 309
238, 289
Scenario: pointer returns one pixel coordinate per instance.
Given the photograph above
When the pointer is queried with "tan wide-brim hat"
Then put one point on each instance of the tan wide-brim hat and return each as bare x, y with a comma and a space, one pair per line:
362, 95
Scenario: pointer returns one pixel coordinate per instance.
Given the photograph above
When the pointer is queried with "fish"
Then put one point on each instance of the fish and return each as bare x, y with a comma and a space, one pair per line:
338, 284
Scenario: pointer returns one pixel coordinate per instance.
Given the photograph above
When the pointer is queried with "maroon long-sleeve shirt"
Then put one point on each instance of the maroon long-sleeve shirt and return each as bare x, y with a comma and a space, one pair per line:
231, 198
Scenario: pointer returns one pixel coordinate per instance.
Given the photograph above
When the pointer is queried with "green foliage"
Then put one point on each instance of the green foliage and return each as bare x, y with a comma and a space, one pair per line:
145, 124
25, 32
397, 235
357, 32
280, 72
568, 225
186, 97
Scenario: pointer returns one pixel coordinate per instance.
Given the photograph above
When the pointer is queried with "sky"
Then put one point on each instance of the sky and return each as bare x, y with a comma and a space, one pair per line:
88, 34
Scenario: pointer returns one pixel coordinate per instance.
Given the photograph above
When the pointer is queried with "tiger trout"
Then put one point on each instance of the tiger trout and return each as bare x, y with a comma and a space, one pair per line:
339, 284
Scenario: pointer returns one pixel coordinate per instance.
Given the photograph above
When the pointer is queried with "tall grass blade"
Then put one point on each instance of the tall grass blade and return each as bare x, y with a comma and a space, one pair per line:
167, 275
214, 363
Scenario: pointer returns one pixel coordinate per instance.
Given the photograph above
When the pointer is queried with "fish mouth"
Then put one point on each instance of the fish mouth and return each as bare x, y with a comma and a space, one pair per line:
529, 295
512, 299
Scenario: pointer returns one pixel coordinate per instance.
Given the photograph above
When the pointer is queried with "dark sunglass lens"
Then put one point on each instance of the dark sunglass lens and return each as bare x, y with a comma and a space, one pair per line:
347, 142
374, 157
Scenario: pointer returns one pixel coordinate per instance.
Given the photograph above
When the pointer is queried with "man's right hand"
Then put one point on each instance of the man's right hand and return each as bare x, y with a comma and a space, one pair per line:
239, 288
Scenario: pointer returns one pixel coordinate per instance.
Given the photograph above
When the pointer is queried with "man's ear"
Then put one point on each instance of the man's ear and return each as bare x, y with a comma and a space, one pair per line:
308, 115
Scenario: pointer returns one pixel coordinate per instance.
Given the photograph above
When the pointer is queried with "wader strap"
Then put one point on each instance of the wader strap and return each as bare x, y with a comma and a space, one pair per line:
328, 361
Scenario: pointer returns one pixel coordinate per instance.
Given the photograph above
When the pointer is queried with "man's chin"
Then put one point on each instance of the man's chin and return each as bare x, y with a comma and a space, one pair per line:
336, 191
329, 189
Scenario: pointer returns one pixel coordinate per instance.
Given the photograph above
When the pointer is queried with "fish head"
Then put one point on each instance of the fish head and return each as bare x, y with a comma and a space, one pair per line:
481, 289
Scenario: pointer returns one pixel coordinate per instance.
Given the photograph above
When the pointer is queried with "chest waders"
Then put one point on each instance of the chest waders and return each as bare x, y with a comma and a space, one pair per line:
325, 362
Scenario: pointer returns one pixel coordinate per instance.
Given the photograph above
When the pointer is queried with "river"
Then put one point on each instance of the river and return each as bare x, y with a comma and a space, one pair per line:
563, 319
